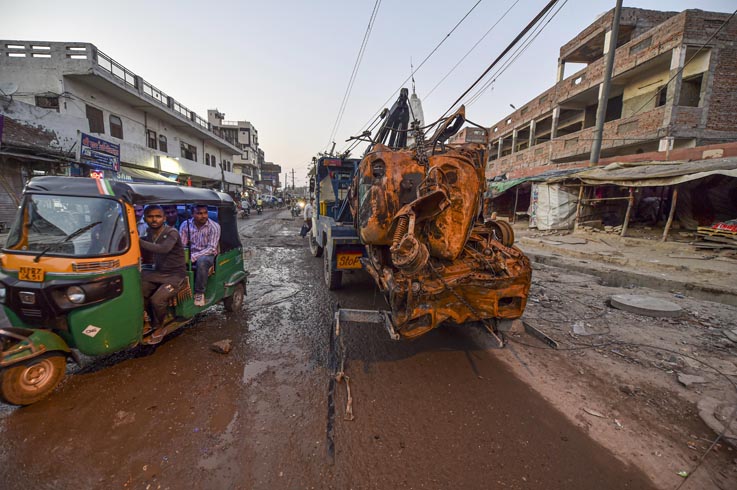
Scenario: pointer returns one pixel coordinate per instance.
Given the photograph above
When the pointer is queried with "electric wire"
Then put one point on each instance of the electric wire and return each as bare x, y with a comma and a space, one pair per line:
471, 50
506, 50
376, 114
354, 72
517, 53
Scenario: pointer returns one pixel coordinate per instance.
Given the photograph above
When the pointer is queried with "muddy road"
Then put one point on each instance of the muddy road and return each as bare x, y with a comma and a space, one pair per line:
439, 412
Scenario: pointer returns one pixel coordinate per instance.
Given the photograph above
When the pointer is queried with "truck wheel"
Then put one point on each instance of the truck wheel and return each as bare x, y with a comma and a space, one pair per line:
234, 302
333, 278
315, 249
29, 382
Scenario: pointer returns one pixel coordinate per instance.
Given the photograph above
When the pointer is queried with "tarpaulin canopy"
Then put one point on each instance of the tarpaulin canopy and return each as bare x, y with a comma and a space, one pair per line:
497, 188
652, 174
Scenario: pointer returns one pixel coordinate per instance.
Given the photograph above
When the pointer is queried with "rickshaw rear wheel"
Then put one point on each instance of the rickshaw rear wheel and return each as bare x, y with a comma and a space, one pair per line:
29, 382
234, 302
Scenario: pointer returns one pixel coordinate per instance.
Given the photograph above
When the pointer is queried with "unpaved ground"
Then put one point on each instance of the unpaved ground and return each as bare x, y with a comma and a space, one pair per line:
441, 412
625, 392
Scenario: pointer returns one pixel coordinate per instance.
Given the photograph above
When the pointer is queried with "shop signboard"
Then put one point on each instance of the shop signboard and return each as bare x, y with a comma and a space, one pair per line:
99, 153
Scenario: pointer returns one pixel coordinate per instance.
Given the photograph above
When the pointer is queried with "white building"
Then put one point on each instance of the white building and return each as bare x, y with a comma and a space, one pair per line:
73, 107
244, 136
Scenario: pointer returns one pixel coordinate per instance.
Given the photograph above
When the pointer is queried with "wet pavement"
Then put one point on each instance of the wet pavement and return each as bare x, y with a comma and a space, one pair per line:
438, 412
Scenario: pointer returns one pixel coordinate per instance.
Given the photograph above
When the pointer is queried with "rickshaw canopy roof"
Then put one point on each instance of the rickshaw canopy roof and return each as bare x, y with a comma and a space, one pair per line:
133, 193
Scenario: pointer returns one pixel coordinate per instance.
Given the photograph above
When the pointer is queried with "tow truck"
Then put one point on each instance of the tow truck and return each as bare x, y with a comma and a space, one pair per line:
333, 235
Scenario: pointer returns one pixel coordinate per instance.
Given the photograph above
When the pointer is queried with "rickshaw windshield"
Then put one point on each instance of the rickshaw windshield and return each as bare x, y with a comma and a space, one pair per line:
69, 226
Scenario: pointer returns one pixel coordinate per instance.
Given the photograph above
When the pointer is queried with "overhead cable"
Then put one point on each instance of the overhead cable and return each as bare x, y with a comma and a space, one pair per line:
504, 53
354, 72
376, 114
470, 50
519, 51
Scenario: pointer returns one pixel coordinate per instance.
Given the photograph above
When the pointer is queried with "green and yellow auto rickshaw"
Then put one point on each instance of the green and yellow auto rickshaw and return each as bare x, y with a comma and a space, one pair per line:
70, 276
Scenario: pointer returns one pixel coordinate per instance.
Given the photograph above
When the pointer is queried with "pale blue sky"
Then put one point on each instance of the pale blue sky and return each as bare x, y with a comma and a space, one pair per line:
284, 65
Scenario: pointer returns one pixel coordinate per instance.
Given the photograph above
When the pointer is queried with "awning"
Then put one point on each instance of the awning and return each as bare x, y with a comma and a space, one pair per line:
653, 174
129, 174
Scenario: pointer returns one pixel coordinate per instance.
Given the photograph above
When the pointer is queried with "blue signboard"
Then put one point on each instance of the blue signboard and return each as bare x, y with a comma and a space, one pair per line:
99, 153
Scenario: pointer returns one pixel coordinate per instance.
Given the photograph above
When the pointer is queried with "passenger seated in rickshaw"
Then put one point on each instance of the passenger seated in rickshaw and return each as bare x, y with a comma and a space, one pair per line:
202, 236
172, 216
165, 268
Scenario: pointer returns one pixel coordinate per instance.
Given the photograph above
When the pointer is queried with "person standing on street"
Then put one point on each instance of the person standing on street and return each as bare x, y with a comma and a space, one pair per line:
140, 222
202, 236
164, 270
307, 215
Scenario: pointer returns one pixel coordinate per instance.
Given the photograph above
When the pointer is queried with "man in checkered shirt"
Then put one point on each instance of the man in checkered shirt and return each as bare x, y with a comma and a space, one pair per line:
202, 236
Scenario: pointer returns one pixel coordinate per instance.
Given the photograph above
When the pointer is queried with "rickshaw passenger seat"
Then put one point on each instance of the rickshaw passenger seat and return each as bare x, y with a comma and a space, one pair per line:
184, 292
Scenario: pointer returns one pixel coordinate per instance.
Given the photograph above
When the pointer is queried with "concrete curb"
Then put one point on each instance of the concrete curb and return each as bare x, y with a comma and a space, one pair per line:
615, 277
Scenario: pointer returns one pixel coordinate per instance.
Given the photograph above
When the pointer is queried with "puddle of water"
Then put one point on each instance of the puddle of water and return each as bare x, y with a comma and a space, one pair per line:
255, 369
219, 454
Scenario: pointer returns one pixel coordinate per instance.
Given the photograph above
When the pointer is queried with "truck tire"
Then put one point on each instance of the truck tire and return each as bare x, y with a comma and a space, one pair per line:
315, 249
31, 381
333, 278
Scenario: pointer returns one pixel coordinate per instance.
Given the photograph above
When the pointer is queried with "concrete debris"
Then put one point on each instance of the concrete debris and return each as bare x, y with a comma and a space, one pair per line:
715, 413
689, 379
731, 334
221, 346
645, 305
594, 413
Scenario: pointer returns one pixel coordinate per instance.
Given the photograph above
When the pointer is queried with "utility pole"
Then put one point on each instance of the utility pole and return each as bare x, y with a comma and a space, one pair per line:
292, 179
604, 87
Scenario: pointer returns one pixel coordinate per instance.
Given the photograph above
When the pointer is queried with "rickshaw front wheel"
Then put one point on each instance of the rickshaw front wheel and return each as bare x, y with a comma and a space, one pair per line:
29, 382
234, 302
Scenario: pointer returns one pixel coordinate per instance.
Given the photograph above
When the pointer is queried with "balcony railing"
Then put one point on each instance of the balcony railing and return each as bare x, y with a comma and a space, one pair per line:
116, 69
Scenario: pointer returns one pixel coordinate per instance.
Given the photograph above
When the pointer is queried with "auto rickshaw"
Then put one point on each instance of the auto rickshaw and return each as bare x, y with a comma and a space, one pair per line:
70, 276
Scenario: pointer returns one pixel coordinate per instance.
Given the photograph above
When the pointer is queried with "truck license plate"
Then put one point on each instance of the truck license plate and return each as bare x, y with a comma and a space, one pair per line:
35, 274
349, 261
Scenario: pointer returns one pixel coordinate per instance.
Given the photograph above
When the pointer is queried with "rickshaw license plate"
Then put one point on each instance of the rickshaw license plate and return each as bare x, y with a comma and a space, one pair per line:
349, 261
35, 274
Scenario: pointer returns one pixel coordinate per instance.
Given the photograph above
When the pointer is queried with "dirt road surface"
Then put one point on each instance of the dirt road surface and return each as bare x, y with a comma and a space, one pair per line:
444, 411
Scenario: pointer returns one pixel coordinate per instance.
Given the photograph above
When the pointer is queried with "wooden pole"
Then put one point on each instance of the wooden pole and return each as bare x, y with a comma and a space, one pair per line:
630, 202
672, 212
516, 198
578, 207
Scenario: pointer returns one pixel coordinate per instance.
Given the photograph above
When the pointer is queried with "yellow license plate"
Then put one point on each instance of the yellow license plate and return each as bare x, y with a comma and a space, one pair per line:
35, 274
349, 261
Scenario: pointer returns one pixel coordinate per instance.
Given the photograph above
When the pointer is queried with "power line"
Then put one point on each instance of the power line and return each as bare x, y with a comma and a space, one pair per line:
470, 50
516, 54
354, 72
504, 53
376, 114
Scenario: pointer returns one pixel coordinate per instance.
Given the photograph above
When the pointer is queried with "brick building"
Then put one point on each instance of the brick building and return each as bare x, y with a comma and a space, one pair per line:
674, 86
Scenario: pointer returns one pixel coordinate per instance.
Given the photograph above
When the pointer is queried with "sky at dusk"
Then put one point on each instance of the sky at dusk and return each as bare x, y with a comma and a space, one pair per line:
284, 65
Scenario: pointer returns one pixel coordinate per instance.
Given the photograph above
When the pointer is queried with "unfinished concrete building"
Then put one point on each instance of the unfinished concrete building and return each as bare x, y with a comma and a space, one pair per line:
674, 86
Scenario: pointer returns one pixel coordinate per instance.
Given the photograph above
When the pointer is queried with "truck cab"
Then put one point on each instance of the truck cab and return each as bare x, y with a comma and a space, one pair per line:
333, 235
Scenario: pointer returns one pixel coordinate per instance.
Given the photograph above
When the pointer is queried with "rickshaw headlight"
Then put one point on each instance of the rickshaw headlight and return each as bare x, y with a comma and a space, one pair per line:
3, 293
76, 295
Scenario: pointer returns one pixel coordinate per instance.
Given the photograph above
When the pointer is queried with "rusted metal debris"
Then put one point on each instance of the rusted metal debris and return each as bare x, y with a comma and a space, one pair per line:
429, 250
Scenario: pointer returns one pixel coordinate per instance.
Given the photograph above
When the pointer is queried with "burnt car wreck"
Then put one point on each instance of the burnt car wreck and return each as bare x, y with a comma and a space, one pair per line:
418, 210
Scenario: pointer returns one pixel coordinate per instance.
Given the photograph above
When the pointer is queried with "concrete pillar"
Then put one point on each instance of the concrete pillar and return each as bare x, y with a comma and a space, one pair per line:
514, 140
531, 141
561, 70
677, 60
554, 123
499, 149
